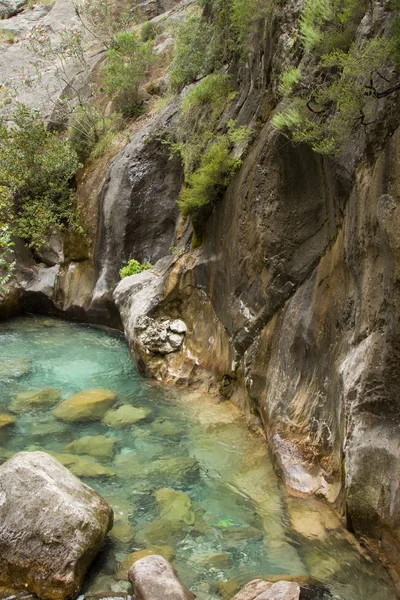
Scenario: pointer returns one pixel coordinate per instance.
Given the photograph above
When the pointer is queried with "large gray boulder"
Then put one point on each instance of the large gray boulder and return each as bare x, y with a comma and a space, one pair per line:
51, 526
153, 578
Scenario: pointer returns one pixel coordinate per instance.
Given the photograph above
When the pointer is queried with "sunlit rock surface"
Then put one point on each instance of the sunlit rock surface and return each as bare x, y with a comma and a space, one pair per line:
47, 544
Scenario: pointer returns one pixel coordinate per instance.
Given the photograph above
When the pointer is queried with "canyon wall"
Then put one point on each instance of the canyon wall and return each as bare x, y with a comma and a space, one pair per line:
291, 305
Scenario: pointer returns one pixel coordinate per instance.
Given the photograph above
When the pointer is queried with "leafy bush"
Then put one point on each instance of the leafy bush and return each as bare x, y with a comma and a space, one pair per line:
125, 69
149, 31
134, 267
89, 131
206, 41
6, 243
36, 169
326, 115
212, 177
215, 90
288, 80
329, 24
193, 51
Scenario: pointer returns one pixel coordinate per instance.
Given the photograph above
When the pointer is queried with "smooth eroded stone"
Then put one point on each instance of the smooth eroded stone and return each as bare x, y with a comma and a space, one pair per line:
153, 578
98, 446
90, 405
175, 506
6, 420
165, 551
125, 415
34, 399
253, 589
281, 590
52, 526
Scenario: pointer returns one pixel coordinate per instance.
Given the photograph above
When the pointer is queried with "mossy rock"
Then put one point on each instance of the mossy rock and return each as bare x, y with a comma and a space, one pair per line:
98, 446
90, 405
15, 368
122, 531
83, 466
125, 416
35, 399
175, 506
6, 420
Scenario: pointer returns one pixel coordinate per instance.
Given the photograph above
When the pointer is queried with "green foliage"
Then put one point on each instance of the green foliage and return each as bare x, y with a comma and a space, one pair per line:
207, 40
214, 90
89, 131
329, 24
36, 168
134, 267
6, 244
206, 183
149, 31
125, 69
288, 80
103, 19
193, 50
327, 116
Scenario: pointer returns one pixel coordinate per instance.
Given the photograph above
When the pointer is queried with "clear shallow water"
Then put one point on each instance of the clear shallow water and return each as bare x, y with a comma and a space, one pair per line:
230, 519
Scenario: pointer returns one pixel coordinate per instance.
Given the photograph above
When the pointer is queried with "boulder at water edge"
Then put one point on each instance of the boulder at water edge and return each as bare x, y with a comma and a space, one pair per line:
51, 526
265, 590
153, 578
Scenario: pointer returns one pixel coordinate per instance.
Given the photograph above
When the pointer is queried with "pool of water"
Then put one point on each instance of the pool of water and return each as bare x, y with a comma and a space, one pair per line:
188, 477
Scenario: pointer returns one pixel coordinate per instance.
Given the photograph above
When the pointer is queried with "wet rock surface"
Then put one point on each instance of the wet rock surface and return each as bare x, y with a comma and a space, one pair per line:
47, 545
153, 578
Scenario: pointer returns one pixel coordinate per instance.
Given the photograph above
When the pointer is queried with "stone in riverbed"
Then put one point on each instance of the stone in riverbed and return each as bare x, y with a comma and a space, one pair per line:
253, 589
125, 415
153, 578
47, 544
122, 531
15, 368
175, 506
166, 552
6, 420
90, 405
160, 532
98, 446
83, 466
34, 399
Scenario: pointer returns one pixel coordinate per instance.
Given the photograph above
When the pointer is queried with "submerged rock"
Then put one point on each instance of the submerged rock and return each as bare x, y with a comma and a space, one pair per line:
175, 506
6, 420
122, 531
125, 415
98, 446
253, 589
166, 552
153, 578
33, 399
47, 544
83, 466
15, 368
90, 405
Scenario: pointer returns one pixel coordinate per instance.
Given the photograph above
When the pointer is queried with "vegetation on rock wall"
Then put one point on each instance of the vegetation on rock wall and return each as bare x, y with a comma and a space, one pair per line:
134, 267
344, 78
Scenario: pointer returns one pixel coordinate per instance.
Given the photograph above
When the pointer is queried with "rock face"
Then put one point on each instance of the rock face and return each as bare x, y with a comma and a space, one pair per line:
47, 544
153, 578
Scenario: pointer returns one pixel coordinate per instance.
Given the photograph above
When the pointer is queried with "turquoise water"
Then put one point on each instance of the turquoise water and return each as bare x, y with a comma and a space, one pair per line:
188, 477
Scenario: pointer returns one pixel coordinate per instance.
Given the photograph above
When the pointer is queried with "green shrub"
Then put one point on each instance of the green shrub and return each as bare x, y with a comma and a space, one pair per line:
327, 115
193, 51
329, 24
149, 31
134, 267
125, 69
6, 244
215, 90
36, 167
288, 80
203, 186
89, 131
